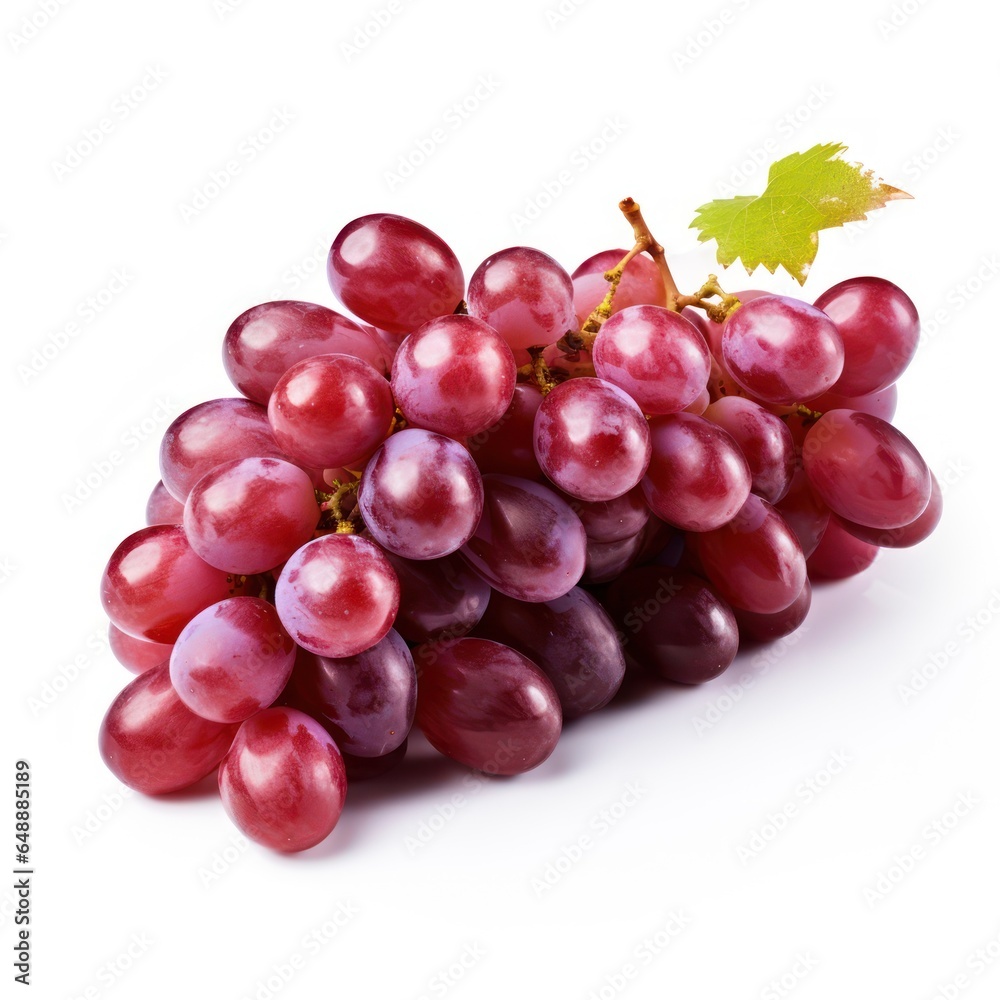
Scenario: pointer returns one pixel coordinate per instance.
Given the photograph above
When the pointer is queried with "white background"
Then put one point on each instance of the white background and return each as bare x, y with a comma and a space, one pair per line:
599, 96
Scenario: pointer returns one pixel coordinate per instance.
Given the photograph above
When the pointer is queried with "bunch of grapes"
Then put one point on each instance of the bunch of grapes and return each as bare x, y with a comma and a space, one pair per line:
476, 506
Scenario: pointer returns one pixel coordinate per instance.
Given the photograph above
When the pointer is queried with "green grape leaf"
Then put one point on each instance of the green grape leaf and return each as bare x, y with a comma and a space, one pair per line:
805, 192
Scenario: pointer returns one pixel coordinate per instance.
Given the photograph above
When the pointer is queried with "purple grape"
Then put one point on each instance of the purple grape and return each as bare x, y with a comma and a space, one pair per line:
162, 508
571, 639
839, 554
767, 628
612, 520
153, 743
439, 598
508, 446
804, 512
529, 544
673, 623
881, 403
283, 781
138, 655
366, 702
641, 283
486, 706
908, 534
421, 495
155, 583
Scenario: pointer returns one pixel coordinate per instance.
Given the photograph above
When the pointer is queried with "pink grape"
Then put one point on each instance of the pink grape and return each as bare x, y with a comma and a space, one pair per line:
655, 355
155, 583
612, 520
365, 702
804, 512
209, 434
265, 341
712, 331
881, 403
529, 544
455, 375
330, 410
283, 781
138, 655
765, 441
697, 478
153, 743
767, 628
337, 595
879, 326
250, 515
606, 561
232, 659
394, 273
421, 495
591, 439
865, 470
508, 446
439, 598
754, 561
701, 403
840, 555
782, 350
673, 624
162, 508
571, 639
641, 283
905, 535
486, 706
524, 295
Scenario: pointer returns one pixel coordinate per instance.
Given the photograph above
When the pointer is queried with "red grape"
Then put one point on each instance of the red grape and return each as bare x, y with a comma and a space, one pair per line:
337, 595
393, 272
486, 705
330, 410
283, 781
153, 743
591, 439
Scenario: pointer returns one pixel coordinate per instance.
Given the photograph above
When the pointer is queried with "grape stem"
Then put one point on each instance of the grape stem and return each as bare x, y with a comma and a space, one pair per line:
332, 512
538, 372
645, 242
718, 312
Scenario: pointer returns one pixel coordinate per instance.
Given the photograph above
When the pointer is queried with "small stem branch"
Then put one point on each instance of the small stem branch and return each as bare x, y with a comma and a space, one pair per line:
332, 511
644, 241
718, 312
538, 371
